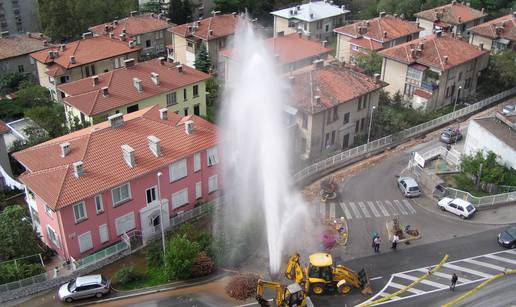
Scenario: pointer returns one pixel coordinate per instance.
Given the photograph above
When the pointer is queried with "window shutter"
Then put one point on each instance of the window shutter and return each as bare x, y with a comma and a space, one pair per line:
103, 232
197, 162
85, 242
198, 190
212, 184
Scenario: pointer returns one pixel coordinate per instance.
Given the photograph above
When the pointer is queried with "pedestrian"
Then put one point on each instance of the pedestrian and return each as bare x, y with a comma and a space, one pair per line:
377, 242
454, 280
395, 240
374, 235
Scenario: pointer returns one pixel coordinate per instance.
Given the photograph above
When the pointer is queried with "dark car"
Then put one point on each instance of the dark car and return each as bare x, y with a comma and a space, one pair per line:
450, 136
507, 238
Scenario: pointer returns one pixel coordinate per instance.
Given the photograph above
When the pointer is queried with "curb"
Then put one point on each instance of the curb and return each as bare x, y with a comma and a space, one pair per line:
144, 291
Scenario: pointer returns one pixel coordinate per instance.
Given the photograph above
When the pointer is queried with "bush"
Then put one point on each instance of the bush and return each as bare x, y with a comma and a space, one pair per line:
203, 265
193, 234
154, 254
12, 272
127, 275
242, 286
180, 256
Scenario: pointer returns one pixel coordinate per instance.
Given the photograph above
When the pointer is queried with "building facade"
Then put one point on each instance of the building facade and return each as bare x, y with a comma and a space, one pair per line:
315, 19
133, 87
15, 52
433, 71
19, 16
495, 35
86, 189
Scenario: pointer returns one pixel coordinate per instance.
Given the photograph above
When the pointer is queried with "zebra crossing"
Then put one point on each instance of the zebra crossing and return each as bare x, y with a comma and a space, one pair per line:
469, 270
365, 209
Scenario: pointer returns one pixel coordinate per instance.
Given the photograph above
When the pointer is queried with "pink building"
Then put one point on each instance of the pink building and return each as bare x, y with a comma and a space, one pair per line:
87, 188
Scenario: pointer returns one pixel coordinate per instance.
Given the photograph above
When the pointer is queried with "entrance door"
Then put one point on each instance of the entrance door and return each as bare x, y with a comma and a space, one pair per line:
345, 141
156, 223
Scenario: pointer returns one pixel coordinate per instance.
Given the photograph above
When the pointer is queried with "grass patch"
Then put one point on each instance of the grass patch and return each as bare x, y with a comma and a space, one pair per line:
461, 182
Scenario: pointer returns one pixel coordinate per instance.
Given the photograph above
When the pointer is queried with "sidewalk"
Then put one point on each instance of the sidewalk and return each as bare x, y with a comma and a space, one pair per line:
499, 215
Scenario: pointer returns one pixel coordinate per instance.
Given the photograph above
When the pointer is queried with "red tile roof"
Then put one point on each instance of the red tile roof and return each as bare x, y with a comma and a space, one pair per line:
99, 147
381, 29
88, 98
220, 25
506, 25
17, 45
435, 49
454, 13
366, 43
334, 85
87, 50
422, 93
133, 25
3, 128
289, 48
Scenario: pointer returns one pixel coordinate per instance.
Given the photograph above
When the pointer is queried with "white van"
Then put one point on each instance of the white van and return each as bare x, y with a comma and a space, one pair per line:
457, 206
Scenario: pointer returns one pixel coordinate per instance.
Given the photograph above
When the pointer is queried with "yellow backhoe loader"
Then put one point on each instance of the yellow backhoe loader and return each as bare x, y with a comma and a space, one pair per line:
320, 276
286, 296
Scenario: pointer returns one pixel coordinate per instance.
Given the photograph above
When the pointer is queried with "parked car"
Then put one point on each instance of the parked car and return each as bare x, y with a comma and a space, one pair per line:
408, 187
83, 287
507, 238
508, 109
450, 136
458, 207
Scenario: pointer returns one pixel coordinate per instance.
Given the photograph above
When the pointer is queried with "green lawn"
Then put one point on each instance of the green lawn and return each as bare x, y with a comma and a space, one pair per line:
153, 277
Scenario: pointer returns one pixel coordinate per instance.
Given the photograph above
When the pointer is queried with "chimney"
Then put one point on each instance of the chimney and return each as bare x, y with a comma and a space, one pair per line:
133, 13
129, 63
116, 120
137, 83
384, 34
234, 14
122, 36
460, 19
105, 91
189, 127
115, 22
421, 46
180, 68
4, 34
445, 59
311, 15
45, 43
281, 33
376, 78
163, 114
481, 46
128, 154
161, 60
65, 149
62, 47
210, 32
317, 100
154, 145
482, 10
325, 44
413, 53
87, 35
78, 169
439, 33
72, 59
131, 44
111, 35
155, 78
51, 54
106, 28
318, 63
382, 14
124, 30
95, 80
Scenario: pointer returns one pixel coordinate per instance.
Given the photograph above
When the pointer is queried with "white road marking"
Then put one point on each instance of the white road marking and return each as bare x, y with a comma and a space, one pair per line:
398, 286
400, 207
501, 259
364, 209
375, 278
332, 210
383, 294
459, 268
355, 210
373, 209
484, 264
382, 208
424, 281
346, 211
390, 206
511, 251
409, 206
444, 275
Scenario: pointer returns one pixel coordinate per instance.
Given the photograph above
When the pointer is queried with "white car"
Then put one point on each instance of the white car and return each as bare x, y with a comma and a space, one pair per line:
458, 207
83, 287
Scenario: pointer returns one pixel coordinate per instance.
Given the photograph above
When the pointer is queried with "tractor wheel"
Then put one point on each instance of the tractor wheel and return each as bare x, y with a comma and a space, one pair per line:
317, 288
344, 289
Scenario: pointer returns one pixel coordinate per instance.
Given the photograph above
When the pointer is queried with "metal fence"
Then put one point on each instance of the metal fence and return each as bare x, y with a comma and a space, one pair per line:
101, 255
24, 282
393, 139
484, 201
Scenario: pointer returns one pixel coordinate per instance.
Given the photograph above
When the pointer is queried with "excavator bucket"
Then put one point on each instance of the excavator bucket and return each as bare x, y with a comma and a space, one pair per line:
364, 282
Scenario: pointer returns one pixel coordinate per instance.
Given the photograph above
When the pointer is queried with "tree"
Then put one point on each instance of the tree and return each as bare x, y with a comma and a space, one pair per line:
202, 60
371, 63
32, 95
180, 11
49, 117
212, 97
484, 168
500, 75
180, 255
16, 229
153, 6
10, 82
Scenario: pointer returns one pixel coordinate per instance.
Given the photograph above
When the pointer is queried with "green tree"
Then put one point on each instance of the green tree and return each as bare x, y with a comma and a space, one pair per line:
11, 82
49, 117
371, 64
31, 95
180, 255
483, 166
153, 6
202, 60
11, 271
500, 75
212, 97
15, 229
180, 11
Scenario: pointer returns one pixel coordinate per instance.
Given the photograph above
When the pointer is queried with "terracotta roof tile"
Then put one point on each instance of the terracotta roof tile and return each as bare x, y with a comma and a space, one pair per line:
220, 25
88, 98
17, 45
366, 43
334, 85
422, 93
133, 25
99, 147
507, 25
435, 49
394, 28
3, 127
453, 13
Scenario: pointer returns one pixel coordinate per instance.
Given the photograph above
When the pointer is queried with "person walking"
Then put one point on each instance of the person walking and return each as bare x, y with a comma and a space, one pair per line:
395, 240
454, 280
377, 242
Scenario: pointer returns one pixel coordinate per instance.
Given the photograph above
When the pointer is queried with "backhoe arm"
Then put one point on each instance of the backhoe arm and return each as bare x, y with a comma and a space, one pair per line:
294, 271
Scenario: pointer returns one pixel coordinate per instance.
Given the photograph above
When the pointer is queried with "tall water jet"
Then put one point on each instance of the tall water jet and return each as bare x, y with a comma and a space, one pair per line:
256, 150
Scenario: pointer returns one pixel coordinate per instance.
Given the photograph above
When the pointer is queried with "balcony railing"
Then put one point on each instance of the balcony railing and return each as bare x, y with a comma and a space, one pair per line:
429, 85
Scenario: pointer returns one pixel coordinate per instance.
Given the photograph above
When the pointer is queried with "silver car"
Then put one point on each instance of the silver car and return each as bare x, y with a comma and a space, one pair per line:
409, 187
508, 109
83, 287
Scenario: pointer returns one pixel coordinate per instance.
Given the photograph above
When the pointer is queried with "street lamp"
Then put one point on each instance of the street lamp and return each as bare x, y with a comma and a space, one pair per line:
370, 123
457, 99
161, 213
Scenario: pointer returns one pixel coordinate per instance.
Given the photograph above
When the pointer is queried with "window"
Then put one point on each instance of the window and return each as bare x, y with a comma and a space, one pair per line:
178, 170
79, 212
333, 133
327, 140
103, 233
124, 223
21, 69
354, 47
414, 74
213, 184
197, 110
133, 108
335, 113
93, 69
52, 236
159, 34
150, 195
362, 124
213, 156
319, 25
99, 206
171, 99
121, 194
305, 120
198, 190
467, 83
85, 242
185, 97
409, 89
148, 43
360, 103
345, 141
460, 76
357, 125
138, 39
327, 28
48, 210
185, 112
197, 162
196, 90
346, 118
180, 198
87, 69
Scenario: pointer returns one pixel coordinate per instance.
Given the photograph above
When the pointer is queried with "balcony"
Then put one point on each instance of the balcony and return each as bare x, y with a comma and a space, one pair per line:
429, 85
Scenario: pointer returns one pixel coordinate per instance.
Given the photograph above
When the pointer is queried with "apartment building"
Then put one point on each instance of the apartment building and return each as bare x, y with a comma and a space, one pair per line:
82, 58
19, 16
331, 108
15, 52
213, 32
456, 18
149, 31
88, 188
433, 71
315, 19
133, 87
496, 35
362, 38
